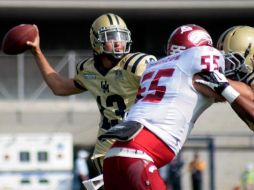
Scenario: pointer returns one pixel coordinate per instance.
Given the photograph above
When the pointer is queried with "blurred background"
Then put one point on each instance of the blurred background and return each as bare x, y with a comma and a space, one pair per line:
35, 125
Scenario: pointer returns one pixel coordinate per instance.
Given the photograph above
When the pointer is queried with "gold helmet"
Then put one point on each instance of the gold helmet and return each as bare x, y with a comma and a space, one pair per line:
238, 42
221, 39
110, 28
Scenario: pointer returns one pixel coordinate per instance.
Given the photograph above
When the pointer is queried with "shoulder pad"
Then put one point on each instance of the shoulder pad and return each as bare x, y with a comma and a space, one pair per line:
133, 60
80, 65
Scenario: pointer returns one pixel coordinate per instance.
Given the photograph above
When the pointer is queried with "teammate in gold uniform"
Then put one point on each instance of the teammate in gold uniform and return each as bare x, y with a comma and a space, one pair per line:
112, 75
237, 44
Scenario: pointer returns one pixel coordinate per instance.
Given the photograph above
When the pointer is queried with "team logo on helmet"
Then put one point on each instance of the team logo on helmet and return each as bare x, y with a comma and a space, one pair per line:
199, 37
187, 36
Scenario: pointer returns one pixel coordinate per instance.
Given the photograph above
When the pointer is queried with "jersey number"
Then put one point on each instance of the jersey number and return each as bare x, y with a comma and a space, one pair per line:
208, 60
119, 101
158, 91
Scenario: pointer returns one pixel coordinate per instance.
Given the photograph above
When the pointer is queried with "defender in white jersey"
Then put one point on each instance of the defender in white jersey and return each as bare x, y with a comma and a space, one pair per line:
168, 103
236, 43
167, 107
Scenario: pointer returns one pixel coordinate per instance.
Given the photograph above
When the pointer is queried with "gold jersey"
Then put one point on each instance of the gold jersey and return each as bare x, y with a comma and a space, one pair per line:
114, 92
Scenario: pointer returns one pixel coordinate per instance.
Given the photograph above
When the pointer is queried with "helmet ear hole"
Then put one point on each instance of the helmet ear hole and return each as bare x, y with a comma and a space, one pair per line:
110, 28
187, 36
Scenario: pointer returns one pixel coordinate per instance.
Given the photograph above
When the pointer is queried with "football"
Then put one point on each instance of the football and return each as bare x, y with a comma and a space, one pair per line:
14, 41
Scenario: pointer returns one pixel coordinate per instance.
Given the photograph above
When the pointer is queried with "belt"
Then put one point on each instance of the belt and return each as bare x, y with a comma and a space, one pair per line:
127, 152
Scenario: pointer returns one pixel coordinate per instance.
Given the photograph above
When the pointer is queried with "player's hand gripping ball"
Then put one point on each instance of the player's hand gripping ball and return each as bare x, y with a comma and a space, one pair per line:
14, 41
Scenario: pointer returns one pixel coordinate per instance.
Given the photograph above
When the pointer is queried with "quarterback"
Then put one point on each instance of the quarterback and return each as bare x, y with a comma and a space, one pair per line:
112, 75
173, 93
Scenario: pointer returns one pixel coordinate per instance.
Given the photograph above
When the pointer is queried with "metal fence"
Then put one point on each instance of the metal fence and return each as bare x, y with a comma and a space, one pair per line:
20, 79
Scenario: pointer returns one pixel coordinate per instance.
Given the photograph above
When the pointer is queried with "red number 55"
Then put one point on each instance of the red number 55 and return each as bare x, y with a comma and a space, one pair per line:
209, 62
155, 92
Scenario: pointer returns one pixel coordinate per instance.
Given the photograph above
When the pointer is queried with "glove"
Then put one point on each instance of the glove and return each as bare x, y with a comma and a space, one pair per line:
218, 83
214, 80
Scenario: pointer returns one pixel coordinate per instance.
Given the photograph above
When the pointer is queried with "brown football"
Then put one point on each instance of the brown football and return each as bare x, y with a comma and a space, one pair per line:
14, 41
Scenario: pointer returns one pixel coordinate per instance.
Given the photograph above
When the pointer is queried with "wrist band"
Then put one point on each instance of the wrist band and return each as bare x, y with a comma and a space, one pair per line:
230, 94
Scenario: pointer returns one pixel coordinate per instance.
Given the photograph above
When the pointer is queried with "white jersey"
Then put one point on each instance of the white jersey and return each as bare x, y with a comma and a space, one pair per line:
168, 104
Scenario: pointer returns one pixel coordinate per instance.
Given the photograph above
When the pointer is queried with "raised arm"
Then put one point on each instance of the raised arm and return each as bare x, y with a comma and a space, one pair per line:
58, 84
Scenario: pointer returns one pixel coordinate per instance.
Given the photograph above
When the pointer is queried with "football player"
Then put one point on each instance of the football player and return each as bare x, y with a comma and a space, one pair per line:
112, 75
237, 44
169, 101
